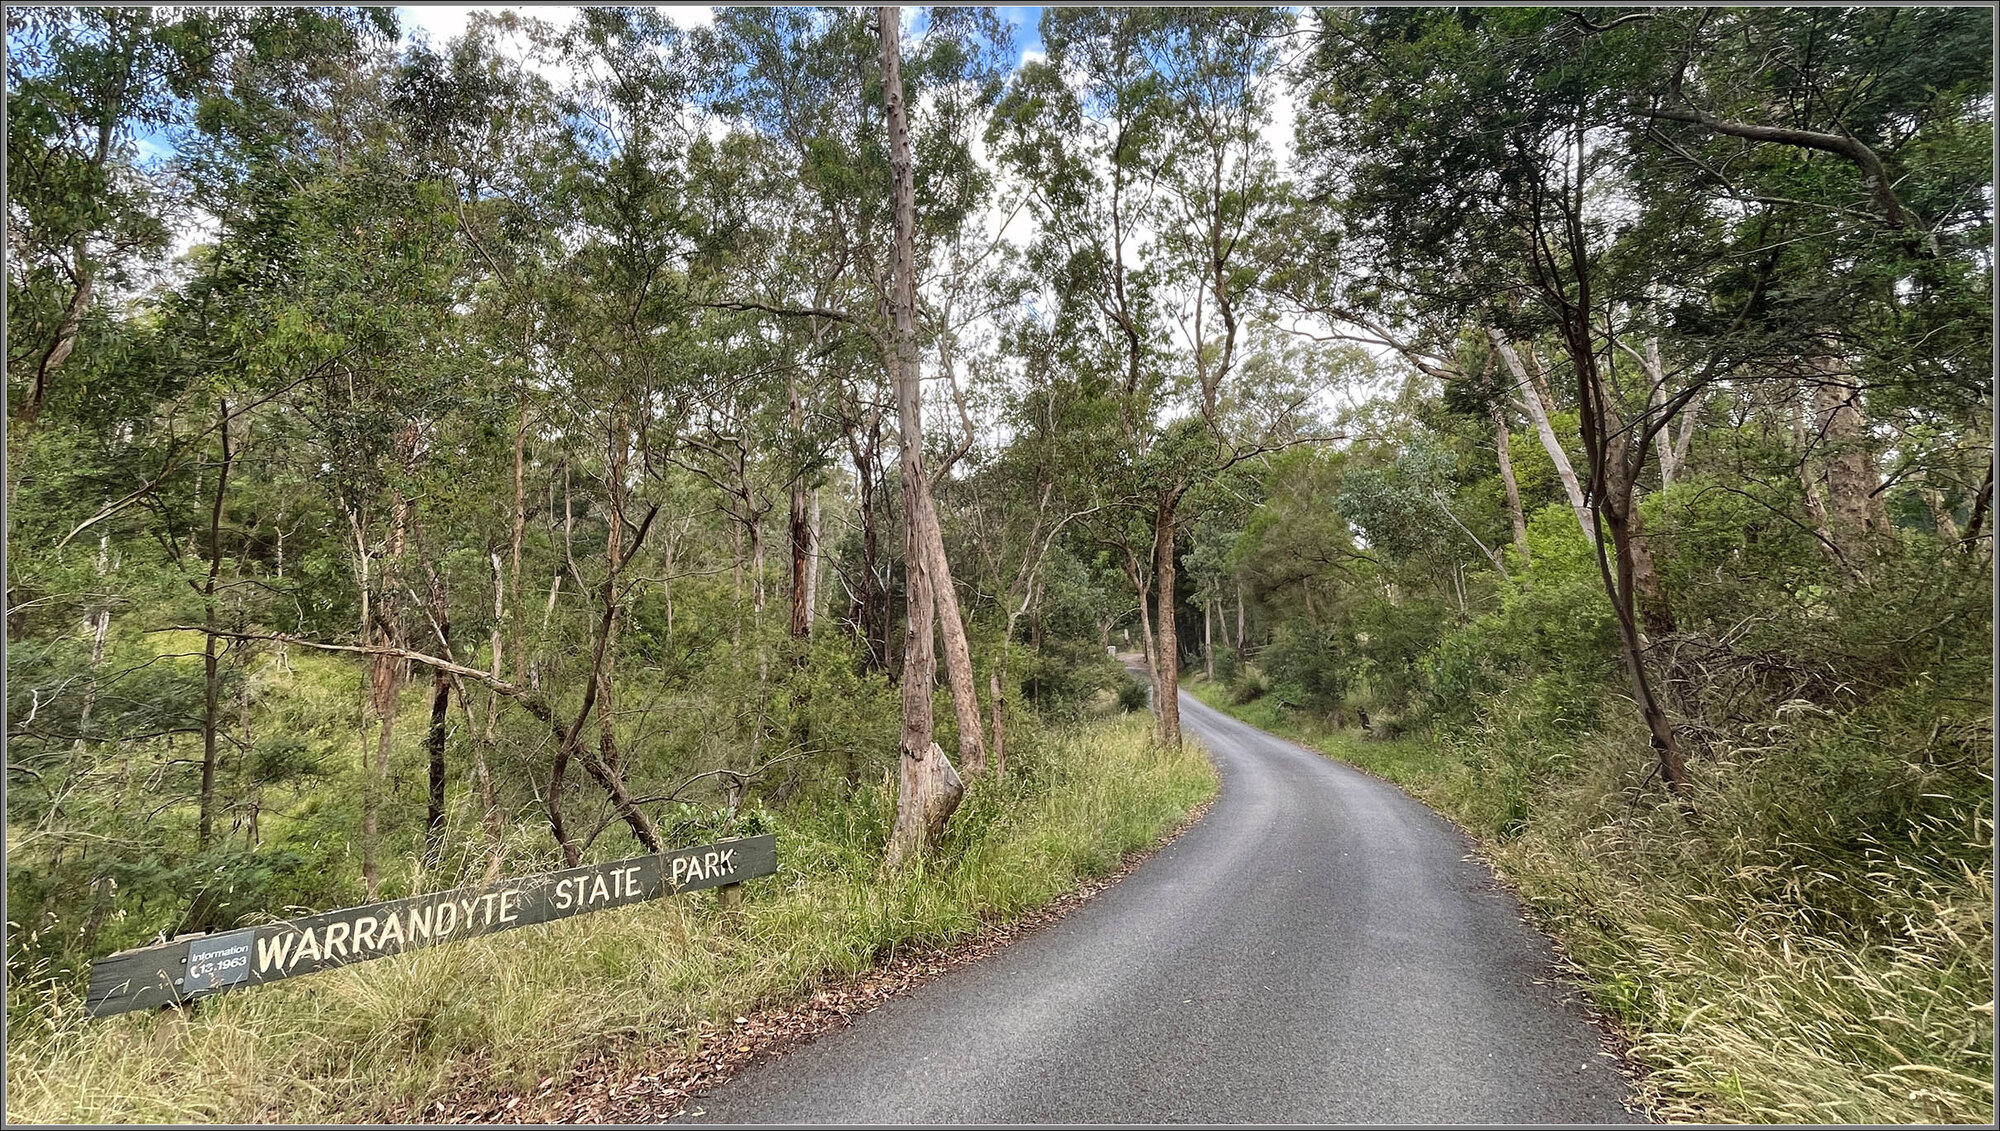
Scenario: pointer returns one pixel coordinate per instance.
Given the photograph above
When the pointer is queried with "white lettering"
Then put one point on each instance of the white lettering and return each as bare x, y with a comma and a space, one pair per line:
598, 892
307, 944
421, 921
510, 906
392, 931
271, 951
364, 932
336, 936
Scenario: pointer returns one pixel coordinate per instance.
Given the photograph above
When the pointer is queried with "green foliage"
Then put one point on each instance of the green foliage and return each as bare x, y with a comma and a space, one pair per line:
1552, 626
381, 1040
1063, 680
1308, 669
1247, 687
1132, 695
1401, 509
545, 370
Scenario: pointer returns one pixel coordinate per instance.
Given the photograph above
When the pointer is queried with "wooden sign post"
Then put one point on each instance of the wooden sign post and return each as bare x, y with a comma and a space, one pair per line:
185, 969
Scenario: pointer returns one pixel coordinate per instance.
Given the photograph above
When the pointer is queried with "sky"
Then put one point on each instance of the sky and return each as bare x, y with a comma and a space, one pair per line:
440, 22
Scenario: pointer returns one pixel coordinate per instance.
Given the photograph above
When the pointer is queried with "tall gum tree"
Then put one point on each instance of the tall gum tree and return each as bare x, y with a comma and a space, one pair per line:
1142, 138
1554, 169
928, 789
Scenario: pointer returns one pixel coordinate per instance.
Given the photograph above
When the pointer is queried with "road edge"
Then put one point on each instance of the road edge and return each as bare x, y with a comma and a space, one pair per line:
1611, 1035
665, 1082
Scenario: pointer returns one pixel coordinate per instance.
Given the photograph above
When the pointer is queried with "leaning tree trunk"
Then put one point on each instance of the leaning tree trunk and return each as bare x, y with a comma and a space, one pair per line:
957, 653
1502, 447
1622, 586
1537, 410
929, 788
1614, 471
1619, 484
604, 766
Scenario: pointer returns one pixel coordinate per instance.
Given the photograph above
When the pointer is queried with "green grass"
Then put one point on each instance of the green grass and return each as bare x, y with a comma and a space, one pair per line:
1774, 960
363, 1042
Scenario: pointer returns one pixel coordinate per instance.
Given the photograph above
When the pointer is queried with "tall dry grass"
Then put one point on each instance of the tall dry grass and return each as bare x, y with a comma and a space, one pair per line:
359, 1043
1816, 946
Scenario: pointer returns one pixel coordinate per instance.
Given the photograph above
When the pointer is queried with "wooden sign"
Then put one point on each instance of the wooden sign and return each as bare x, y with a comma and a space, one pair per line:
189, 968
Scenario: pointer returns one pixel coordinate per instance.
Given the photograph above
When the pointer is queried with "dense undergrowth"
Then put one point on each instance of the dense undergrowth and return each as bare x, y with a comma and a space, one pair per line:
361, 1042
1805, 935
1780, 957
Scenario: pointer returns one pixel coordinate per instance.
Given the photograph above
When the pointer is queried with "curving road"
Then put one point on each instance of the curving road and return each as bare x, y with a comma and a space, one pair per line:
1318, 949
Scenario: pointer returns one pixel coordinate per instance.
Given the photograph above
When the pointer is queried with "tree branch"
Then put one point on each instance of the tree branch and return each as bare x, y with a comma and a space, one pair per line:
1841, 144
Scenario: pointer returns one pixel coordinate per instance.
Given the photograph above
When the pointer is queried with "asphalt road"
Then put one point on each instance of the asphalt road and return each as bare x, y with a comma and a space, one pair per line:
1320, 948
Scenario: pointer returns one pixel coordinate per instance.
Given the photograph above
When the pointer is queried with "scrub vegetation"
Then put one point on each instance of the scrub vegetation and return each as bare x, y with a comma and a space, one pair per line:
366, 1042
437, 460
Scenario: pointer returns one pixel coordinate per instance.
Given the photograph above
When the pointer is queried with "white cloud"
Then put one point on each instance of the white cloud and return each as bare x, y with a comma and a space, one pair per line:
690, 15
201, 226
1279, 130
439, 22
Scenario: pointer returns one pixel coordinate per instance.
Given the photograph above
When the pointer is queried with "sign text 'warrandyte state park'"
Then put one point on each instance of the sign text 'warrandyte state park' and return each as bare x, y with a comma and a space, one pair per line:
187, 968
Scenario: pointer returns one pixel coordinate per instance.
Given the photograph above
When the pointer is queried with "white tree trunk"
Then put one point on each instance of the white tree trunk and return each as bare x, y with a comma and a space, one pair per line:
929, 788
1537, 410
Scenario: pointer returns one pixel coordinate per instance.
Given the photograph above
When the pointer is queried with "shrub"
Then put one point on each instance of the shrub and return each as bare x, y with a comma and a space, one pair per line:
1248, 688
1308, 667
1132, 695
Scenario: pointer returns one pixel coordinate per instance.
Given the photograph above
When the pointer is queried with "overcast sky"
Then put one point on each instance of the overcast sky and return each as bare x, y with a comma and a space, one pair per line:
442, 21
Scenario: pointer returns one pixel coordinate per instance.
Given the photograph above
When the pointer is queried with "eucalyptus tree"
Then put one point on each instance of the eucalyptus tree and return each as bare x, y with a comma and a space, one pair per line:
1837, 161
793, 80
364, 301
1502, 178
127, 125
94, 97
85, 87
617, 340
810, 84
486, 131
1543, 191
1142, 134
